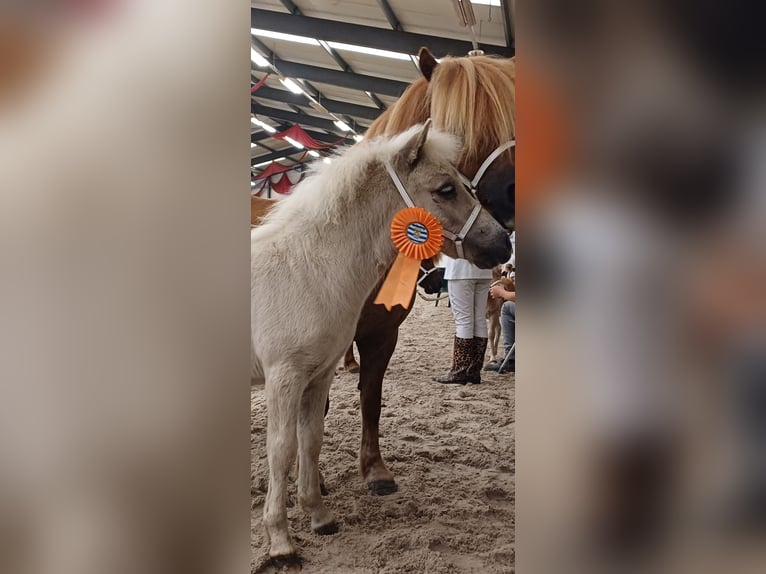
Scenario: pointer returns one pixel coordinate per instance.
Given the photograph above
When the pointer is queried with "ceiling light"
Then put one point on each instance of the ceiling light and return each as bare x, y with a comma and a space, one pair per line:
486, 2
369, 51
313, 153
264, 125
327, 160
291, 85
253, 144
257, 59
358, 138
295, 143
342, 125
286, 37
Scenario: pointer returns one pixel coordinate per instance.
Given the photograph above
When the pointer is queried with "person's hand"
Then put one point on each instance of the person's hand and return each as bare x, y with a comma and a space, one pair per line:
496, 291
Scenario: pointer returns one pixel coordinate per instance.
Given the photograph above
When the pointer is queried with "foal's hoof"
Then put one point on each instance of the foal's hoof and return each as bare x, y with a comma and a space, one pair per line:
323, 490
290, 563
352, 368
327, 529
382, 487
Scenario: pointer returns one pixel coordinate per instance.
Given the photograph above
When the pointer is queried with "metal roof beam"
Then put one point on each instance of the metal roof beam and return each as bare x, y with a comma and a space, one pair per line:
350, 80
256, 137
296, 118
390, 16
369, 36
274, 156
333, 106
319, 136
377, 101
263, 145
311, 91
505, 8
291, 151
291, 7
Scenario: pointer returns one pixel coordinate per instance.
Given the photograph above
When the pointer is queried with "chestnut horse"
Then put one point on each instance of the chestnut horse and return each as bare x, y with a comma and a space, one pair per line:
259, 207
471, 97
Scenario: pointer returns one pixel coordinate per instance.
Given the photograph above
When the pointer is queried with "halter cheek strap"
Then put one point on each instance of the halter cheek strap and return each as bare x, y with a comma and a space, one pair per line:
398, 183
474, 183
460, 236
457, 238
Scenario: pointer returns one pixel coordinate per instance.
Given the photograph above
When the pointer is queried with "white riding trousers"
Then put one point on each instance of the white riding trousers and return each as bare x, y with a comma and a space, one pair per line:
468, 298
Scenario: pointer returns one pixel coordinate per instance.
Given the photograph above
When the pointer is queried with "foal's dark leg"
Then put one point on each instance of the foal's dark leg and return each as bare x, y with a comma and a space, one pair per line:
374, 354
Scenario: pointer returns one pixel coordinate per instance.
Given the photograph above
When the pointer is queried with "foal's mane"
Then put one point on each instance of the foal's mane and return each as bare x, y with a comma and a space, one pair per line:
327, 190
472, 97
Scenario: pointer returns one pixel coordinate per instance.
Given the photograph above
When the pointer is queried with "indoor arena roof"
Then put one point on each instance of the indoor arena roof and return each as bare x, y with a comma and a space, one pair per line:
333, 66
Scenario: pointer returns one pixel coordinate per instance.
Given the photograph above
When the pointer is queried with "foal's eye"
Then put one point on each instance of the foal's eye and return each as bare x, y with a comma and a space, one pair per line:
446, 190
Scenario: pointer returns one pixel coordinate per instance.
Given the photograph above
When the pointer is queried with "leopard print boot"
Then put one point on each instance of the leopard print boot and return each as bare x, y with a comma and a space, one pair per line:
478, 350
461, 360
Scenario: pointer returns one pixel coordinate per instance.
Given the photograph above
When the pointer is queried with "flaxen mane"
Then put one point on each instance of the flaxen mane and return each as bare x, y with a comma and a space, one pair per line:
472, 97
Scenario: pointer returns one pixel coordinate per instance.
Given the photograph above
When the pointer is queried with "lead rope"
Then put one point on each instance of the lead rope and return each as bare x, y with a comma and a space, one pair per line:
439, 296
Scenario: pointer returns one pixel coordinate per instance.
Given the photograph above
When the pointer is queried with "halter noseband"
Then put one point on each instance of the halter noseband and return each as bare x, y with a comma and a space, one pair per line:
472, 185
426, 273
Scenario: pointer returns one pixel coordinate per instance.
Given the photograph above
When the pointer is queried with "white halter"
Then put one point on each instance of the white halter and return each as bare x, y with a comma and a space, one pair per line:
425, 273
458, 237
473, 185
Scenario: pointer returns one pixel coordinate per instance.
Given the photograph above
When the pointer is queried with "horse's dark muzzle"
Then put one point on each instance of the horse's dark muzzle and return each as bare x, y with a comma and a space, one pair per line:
495, 256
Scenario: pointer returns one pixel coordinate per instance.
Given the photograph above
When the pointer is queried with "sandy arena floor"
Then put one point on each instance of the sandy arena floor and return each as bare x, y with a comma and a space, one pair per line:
451, 449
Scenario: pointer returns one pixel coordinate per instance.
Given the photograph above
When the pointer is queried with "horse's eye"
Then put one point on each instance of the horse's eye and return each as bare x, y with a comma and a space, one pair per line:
446, 190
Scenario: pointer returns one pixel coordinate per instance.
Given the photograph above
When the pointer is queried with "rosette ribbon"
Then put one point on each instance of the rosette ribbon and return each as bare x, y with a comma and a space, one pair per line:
417, 235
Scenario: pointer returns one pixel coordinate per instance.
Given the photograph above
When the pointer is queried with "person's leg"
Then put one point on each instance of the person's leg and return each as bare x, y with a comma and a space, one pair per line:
461, 297
508, 324
479, 347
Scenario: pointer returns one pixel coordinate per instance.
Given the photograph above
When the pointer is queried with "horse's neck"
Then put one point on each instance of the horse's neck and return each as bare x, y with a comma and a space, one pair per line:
367, 233
361, 234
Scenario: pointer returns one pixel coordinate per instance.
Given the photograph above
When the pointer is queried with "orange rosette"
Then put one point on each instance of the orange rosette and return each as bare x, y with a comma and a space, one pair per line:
417, 235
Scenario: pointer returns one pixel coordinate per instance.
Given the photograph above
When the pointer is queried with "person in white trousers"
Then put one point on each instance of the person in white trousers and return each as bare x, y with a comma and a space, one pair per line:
468, 287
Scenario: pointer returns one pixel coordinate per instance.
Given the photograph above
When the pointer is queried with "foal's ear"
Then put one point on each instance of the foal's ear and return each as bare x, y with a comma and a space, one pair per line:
413, 149
427, 63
